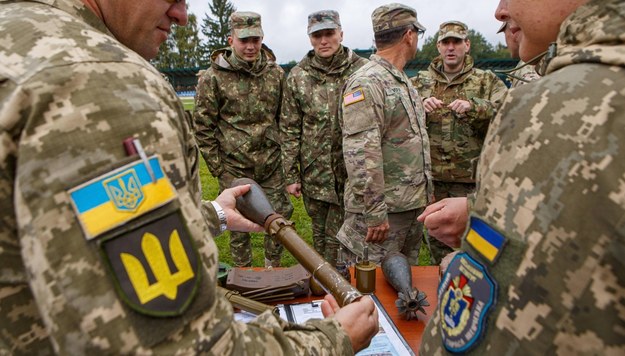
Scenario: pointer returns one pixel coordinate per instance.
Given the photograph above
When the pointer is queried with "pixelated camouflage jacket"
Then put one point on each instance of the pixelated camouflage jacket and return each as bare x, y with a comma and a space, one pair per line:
70, 94
237, 109
385, 143
552, 184
309, 121
456, 139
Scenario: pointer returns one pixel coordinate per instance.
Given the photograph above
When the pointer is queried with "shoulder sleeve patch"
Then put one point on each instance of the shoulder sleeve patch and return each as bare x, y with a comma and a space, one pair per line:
353, 97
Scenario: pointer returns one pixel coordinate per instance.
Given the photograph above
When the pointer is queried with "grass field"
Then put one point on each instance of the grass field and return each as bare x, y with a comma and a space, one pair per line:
187, 102
301, 219
210, 189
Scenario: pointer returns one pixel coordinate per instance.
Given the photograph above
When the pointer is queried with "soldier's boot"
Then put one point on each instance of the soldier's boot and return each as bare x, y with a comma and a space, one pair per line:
273, 251
269, 263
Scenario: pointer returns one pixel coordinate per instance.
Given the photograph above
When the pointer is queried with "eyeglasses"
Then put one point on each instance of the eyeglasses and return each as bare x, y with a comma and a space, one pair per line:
419, 32
173, 1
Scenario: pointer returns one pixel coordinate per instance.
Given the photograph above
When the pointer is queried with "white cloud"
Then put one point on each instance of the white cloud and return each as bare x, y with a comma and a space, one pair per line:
285, 21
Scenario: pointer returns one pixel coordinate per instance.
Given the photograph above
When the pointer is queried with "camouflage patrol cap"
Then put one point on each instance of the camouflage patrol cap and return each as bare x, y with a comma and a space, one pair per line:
454, 29
503, 27
322, 20
391, 16
245, 24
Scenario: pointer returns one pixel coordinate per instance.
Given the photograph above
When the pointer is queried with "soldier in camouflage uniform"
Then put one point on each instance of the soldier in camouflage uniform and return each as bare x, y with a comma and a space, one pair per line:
460, 101
385, 143
523, 72
541, 269
105, 245
237, 108
311, 150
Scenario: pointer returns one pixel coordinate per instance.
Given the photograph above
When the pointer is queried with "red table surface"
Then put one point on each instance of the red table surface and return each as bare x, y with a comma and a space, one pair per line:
424, 278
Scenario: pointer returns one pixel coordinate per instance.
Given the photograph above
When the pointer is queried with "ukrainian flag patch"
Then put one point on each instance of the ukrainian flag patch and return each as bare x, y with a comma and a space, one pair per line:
117, 197
485, 240
354, 97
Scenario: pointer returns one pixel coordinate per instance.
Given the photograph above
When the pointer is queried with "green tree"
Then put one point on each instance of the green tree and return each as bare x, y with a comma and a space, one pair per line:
215, 28
480, 47
182, 47
188, 44
501, 51
428, 51
164, 57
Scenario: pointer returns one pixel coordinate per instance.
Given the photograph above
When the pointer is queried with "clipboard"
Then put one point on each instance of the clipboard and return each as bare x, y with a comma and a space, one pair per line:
388, 340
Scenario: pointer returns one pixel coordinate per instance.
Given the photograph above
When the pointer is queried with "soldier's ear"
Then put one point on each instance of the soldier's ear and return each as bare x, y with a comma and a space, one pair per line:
230, 40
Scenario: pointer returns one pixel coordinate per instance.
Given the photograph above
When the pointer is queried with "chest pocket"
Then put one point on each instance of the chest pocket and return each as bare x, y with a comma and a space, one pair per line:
397, 94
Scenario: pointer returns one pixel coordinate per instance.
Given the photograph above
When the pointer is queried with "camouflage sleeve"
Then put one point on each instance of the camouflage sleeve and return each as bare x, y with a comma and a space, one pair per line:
22, 330
291, 130
363, 114
211, 218
270, 333
205, 117
485, 108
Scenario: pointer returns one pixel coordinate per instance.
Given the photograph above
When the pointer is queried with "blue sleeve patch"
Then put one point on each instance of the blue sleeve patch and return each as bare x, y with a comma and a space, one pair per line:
466, 296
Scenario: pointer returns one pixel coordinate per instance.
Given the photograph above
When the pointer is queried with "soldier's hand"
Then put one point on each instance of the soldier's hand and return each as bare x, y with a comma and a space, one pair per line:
446, 220
359, 319
236, 222
460, 106
294, 189
430, 104
378, 234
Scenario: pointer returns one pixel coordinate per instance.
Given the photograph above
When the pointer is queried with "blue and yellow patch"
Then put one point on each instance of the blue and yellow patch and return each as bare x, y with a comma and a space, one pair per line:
354, 97
485, 240
465, 297
119, 196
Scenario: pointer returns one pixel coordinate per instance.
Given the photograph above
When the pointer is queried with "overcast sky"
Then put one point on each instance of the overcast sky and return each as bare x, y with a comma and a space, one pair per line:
284, 21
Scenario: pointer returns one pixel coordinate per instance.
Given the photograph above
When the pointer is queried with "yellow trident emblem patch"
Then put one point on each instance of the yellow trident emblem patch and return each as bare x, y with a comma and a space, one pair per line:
166, 282
156, 266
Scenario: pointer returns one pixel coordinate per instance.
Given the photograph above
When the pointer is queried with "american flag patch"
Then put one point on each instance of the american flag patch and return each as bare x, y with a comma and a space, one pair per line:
353, 97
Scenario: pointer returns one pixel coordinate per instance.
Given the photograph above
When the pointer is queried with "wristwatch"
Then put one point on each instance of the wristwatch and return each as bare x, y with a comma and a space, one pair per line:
221, 214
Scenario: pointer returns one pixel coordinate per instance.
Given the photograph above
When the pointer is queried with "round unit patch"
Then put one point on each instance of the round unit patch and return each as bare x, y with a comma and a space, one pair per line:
466, 295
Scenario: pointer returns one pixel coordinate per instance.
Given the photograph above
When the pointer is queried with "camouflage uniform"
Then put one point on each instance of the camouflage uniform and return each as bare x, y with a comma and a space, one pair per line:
308, 123
456, 139
386, 152
523, 74
70, 94
551, 203
237, 109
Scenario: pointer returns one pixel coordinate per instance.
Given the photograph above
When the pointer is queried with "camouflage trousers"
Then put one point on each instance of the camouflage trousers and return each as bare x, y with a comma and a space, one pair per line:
405, 236
444, 190
327, 219
240, 242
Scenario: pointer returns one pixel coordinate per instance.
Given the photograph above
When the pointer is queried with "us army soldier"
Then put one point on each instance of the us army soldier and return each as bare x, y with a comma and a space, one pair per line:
385, 142
460, 101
